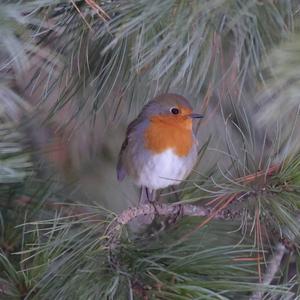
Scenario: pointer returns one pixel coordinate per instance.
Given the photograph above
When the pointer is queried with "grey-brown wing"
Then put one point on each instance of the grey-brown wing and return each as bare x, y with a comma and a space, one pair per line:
135, 129
121, 170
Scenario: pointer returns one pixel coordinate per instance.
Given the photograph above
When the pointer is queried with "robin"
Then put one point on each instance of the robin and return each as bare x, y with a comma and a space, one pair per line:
160, 148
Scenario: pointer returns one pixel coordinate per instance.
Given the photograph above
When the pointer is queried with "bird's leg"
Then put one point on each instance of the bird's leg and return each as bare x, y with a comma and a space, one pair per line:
179, 213
151, 198
148, 194
144, 220
141, 197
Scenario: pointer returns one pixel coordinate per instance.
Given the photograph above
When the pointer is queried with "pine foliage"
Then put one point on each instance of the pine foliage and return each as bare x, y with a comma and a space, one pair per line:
73, 74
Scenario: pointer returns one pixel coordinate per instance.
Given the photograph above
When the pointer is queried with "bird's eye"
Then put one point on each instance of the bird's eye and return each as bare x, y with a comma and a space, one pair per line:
174, 111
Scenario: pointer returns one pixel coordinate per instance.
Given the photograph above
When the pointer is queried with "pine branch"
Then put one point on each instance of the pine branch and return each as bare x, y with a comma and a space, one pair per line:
109, 57
272, 269
162, 209
165, 210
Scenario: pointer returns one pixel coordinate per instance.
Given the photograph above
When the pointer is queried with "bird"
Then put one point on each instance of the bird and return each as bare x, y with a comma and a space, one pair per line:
160, 147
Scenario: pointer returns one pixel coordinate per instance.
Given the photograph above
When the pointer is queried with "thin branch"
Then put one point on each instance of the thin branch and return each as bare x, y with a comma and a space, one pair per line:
162, 209
272, 269
165, 210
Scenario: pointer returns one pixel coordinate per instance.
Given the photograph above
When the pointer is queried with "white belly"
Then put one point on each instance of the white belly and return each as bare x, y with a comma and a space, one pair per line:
164, 169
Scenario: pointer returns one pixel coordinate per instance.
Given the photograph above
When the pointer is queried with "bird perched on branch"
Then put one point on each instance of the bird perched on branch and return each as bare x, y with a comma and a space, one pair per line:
160, 148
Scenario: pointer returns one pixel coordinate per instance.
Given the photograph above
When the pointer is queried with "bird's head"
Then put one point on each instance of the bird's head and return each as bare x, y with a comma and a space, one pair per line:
171, 109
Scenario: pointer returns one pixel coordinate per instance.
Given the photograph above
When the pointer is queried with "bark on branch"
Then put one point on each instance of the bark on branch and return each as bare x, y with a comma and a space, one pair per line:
272, 269
163, 209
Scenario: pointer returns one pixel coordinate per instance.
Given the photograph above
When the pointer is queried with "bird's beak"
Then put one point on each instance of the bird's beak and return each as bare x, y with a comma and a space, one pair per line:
196, 116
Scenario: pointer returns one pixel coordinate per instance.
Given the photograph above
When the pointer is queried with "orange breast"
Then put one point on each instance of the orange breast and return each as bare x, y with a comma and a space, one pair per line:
165, 132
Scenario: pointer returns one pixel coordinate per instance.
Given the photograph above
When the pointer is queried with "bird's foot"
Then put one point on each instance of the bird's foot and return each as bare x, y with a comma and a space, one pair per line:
154, 204
178, 214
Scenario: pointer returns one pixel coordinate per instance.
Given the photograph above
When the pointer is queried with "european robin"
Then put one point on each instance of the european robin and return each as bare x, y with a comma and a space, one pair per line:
160, 148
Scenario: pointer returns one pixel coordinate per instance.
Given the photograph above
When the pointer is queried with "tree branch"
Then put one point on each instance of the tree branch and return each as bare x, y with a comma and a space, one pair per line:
272, 268
164, 210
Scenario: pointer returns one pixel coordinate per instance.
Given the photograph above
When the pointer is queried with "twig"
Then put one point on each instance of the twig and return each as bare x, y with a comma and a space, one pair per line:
165, 210
272, 268
161, 209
